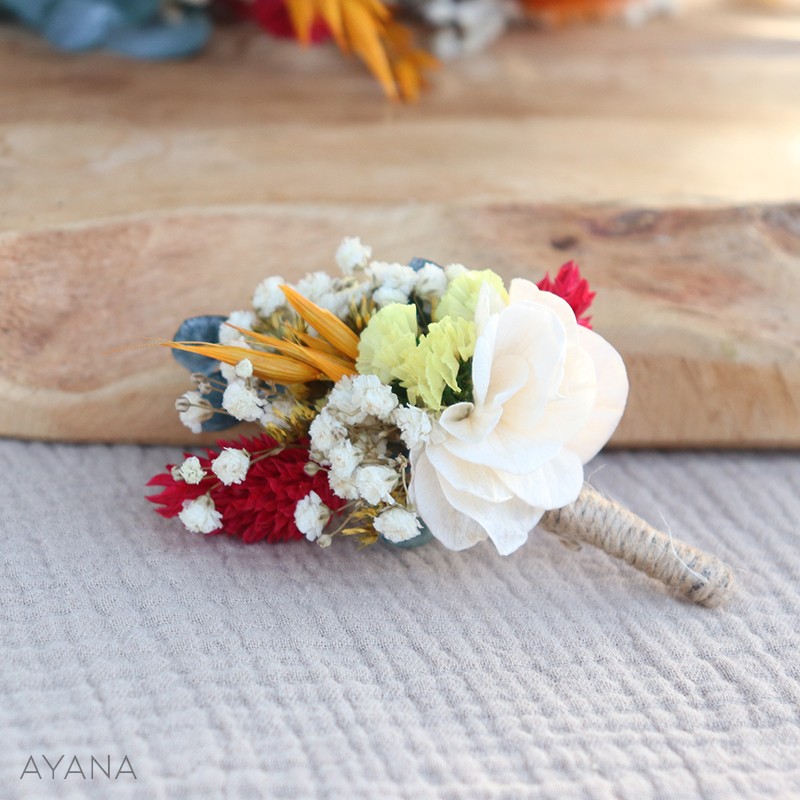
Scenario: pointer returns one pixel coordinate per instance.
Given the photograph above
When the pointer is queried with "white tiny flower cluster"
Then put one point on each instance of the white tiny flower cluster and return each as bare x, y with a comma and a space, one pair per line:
349, 437
277, 409
337, 295
193, 410
311, 516
352, 257
200, 515
229, 371
242, 401
231, 465
241, 319
268, 297
190, 471
397, 524
464, 27
415, 424
394, 282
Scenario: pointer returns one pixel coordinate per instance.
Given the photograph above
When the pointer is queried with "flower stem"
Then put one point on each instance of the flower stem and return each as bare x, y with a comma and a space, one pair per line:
593, 519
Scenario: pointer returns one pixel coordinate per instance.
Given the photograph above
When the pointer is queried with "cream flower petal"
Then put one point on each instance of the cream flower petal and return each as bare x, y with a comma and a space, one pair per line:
510, 373
555, 484
507, 524
535, 335
482, 361
468, 424
506, 448
612, 395
453, 529
568, 408
468, 477
489, 302
525, 291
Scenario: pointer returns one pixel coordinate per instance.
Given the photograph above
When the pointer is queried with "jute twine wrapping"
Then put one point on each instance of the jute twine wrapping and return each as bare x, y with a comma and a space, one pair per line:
593, 519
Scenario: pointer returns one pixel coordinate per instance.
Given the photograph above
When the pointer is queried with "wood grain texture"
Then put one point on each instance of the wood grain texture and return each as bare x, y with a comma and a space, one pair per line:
132, 195
701, 303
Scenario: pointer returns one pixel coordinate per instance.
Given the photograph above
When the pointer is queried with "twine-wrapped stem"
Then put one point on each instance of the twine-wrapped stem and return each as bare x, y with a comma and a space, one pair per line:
593, 519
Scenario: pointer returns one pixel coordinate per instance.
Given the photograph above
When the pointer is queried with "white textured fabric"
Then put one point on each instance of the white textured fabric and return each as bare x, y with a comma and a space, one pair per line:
230, 671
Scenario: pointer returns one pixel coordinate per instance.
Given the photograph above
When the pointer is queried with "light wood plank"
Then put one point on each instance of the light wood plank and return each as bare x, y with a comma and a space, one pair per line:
702, 304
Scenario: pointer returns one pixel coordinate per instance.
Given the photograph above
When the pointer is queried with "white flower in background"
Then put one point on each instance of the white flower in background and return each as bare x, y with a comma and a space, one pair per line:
453, 271
242, 402
431, 282
344, 297
268, 297
373, 397
200, 515
311, 516
397, 524
375, 482
193, 410
547, 395
241, 319
352, 256
326, 431
191, 471
398, 276
231, 465
386, 295
315, 285
344, 458
414, 423
330, 293
394, 282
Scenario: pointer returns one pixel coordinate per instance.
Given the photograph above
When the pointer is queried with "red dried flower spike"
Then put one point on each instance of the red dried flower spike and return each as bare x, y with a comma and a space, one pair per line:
273, 17
573, 288
262, 506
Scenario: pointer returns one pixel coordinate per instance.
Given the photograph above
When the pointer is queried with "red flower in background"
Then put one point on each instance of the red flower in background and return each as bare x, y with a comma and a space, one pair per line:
273, 17
570, 286
262, 506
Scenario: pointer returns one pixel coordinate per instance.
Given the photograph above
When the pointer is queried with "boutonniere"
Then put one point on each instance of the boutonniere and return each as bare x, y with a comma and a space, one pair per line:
408, 403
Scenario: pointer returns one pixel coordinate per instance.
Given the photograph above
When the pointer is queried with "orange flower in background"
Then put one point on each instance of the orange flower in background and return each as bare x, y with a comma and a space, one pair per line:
366, 28
559, 12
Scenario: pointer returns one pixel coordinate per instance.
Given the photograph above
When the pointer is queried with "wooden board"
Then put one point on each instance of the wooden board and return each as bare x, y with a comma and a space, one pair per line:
702, 304
134, 194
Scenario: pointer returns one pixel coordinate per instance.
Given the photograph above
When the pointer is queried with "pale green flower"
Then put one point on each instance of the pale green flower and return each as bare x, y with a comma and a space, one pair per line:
461, 296
434, 364
390, 335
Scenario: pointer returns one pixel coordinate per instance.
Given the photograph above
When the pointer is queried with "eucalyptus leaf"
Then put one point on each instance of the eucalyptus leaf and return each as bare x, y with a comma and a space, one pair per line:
204, 328
76, 25
164, 40
32, 12
418, 263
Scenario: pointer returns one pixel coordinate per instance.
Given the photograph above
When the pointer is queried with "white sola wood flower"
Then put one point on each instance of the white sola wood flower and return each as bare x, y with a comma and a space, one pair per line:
547, 395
